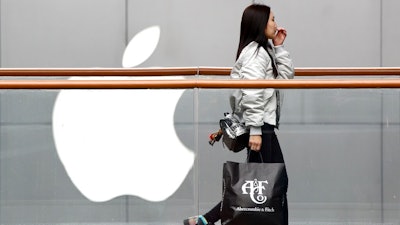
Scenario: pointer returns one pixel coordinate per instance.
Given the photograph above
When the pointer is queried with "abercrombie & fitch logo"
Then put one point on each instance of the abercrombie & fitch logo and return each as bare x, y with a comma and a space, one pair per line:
255, 189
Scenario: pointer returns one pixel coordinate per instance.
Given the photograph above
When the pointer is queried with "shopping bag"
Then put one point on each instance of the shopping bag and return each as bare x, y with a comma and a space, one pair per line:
253, 193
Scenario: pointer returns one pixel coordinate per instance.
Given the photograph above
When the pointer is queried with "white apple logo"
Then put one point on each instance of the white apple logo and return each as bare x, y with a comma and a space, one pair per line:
122, 142
141, 47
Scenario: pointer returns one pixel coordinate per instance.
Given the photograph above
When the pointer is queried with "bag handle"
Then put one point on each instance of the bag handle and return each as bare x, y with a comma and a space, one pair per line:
248, 156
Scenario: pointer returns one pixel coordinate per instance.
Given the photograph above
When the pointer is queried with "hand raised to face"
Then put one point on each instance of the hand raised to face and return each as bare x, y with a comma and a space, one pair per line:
280, 36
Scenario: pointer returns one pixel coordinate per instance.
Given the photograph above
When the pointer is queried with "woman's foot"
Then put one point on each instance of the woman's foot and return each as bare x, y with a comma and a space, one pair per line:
196, 220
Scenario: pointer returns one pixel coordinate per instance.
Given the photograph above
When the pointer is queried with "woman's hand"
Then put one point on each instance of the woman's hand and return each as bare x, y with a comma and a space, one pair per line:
280, 36
255, 142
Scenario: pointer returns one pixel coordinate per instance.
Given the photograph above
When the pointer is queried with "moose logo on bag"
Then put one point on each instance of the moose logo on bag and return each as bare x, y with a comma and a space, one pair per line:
255, 188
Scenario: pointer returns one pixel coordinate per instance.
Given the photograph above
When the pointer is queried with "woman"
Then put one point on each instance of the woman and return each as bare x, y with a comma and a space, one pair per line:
257, 58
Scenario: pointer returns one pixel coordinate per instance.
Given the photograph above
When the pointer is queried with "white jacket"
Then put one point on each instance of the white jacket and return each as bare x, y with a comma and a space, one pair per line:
258, 106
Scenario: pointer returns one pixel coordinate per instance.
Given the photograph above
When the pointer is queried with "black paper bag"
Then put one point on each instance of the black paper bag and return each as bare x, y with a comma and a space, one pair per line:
253, 193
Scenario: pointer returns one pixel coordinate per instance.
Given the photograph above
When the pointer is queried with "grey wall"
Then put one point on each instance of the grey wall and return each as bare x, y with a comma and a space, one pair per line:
44, 33
341, 146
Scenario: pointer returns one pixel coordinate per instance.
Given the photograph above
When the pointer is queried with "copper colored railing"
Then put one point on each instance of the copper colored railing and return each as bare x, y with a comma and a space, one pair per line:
377, 77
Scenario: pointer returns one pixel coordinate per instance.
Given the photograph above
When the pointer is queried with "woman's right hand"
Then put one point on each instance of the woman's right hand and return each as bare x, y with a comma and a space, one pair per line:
280, 36
255, 142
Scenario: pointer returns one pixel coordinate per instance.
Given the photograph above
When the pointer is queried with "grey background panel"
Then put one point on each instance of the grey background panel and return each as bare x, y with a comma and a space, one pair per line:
339, 33
63, 33
193, 33
390, 34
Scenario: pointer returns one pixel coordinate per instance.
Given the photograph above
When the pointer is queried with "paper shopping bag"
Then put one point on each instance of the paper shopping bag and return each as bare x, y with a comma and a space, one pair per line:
253, 193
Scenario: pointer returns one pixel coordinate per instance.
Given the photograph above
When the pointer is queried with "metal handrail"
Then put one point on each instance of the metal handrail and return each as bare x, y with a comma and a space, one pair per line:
197, 82
182, 71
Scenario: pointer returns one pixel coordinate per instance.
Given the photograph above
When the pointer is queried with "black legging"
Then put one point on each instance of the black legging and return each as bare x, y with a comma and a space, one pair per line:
271, 153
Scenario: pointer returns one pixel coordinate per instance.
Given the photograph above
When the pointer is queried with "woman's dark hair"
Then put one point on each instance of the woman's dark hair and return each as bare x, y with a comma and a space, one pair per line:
252, 28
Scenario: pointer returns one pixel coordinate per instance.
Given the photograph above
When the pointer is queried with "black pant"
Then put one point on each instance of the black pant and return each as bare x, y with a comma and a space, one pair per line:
271, 153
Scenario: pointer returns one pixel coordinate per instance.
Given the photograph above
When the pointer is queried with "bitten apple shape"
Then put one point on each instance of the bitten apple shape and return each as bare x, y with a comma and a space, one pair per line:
121, 142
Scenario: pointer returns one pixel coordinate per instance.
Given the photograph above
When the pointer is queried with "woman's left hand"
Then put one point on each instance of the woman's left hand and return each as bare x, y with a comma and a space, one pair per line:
255, 142
280, 36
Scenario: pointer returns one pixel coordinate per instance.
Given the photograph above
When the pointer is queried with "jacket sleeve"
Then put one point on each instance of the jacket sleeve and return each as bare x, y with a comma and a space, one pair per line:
284, 63
254, 100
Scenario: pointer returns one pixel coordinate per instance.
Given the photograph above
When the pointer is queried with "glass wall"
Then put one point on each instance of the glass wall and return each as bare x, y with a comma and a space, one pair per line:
63, 158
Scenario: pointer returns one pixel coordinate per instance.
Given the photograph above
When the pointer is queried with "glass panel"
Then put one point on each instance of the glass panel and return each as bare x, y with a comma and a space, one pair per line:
340, 147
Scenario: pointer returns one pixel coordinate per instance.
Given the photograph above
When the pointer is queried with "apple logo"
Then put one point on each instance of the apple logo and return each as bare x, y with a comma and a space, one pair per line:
141, 47
122, 142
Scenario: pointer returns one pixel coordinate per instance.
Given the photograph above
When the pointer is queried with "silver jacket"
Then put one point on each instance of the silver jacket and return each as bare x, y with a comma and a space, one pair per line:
258, 106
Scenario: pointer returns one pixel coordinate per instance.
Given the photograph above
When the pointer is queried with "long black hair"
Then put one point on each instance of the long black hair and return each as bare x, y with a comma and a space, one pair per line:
252, 28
